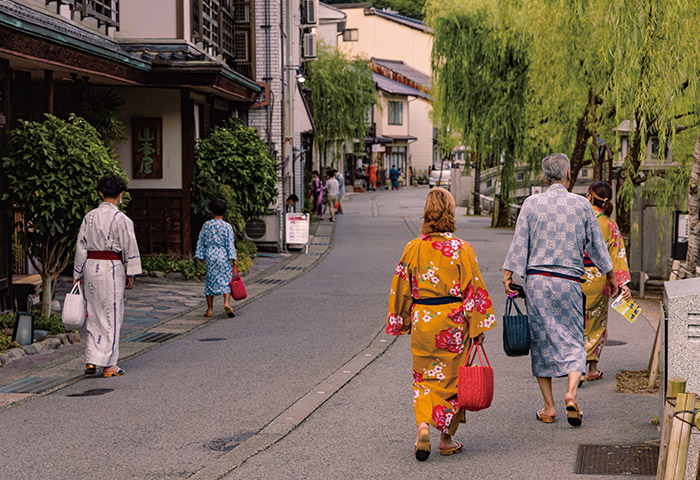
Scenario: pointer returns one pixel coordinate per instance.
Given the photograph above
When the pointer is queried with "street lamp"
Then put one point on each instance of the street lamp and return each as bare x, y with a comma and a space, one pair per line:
23, 331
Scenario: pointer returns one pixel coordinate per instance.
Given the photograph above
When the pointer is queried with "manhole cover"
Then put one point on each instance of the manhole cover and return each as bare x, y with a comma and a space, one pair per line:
92, 392
614, 343
617, 460
226, 444
212, 339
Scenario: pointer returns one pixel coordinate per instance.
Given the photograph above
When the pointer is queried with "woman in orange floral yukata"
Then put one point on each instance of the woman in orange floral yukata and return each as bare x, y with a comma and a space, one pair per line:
439, 297
597, 295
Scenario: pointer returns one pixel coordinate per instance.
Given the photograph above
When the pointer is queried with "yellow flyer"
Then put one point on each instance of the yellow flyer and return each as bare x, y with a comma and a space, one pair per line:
626, 308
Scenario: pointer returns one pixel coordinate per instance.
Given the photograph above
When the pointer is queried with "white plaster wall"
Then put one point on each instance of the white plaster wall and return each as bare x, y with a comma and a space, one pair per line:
148, 19
382, 116
152, 102
421, 127
382, 38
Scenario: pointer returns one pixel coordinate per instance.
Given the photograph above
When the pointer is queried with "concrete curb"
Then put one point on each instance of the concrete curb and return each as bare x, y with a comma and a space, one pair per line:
184, 323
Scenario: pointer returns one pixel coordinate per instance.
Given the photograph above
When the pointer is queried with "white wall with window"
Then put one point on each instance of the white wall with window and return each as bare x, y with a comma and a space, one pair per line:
395, 113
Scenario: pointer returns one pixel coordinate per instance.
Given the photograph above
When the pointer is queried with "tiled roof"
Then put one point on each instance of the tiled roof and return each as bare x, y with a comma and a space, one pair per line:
396, 88
398, 66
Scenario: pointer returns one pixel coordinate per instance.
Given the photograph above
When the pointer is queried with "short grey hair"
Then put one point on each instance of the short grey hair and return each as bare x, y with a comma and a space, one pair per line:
554, 167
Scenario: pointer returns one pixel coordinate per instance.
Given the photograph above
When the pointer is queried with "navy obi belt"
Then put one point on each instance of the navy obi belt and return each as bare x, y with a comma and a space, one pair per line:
437, 300
555, 274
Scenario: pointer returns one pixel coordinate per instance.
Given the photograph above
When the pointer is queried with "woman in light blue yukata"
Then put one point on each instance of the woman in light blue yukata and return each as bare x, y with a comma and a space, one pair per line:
217, 246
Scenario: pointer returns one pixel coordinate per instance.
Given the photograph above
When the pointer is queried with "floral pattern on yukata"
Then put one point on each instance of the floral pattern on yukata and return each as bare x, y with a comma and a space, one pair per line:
440, 334
216, 246
596, 291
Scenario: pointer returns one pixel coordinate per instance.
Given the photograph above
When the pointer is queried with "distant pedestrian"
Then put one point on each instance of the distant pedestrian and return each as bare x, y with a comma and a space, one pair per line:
333, 192
439, 297
372, 174
401, 179
594, 286
316, 194
106, 260
394, 177
551, 234
341, 183
217, 247
291, 203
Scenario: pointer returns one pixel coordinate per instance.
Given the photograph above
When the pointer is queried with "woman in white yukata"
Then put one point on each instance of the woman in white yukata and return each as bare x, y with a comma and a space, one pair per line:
216, 245
106, 261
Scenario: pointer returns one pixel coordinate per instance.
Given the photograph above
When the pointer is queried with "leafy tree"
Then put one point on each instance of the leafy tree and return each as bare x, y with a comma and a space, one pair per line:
655, 57
408, 8
233, 155
479, 65
52, 169
342, 91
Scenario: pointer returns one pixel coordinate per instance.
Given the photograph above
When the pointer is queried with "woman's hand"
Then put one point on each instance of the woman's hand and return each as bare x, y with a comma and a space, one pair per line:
626, 292
77, 280
479, 339
129, 283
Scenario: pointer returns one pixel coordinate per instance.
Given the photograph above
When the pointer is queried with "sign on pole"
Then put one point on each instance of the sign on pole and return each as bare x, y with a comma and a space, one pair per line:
297, 229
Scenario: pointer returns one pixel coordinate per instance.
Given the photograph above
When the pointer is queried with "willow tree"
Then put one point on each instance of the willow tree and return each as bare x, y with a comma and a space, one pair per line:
567, 81
479, 65
655, 55
342, 90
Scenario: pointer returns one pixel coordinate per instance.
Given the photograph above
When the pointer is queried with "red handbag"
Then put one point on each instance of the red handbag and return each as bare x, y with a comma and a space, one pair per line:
475, 383
237, 288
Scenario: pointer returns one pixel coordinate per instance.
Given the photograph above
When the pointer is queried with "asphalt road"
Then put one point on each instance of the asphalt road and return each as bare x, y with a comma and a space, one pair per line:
163, 415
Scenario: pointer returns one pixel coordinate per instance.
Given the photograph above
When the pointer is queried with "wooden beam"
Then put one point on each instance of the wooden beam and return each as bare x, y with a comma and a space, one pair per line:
676, 385
680, 437
187, 121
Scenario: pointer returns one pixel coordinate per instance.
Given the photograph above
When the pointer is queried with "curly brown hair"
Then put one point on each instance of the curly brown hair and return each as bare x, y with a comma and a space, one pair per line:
439, 212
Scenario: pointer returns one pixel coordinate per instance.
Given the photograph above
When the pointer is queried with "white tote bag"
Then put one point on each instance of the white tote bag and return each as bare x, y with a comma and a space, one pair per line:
74, 309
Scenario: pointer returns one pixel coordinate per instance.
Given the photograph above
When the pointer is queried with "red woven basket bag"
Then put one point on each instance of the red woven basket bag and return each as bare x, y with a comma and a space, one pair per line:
237, 288
475, 384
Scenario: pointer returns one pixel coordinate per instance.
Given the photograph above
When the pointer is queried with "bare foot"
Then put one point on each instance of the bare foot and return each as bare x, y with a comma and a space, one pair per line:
208, 313
550, 412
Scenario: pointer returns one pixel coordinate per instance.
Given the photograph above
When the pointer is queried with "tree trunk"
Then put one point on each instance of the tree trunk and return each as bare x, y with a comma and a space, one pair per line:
691, 258
47, 293
624, 216
477, 184
582, 135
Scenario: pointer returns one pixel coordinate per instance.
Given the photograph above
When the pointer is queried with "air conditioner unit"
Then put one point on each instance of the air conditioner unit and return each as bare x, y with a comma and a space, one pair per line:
309, 16
262, 229
309, 44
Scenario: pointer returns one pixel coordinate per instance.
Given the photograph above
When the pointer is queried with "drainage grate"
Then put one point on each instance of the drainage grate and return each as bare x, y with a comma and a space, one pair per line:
270, 281
314, 243
293, 268
617, 460
327, 236
316, 254
614, 343
212, 339
92, 392
153, 337
32, 384
227, 444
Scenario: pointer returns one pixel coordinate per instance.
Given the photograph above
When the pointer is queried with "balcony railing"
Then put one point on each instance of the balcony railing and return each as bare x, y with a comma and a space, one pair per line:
106, 12
224, 27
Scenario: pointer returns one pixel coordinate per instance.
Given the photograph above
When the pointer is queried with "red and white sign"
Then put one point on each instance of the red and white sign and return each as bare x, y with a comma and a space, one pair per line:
297, 228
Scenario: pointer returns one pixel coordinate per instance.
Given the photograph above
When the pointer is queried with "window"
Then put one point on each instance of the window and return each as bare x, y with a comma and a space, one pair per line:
395, 113
489, 182
656, 149
584, 173
520, 176
350, 35
369, 116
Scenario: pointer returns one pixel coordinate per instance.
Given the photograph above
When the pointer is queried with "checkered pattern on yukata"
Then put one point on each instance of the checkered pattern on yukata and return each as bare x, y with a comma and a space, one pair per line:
551, 233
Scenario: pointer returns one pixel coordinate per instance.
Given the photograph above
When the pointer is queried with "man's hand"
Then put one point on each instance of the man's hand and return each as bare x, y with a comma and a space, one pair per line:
77, 280
611, 283
507, 280
129, 282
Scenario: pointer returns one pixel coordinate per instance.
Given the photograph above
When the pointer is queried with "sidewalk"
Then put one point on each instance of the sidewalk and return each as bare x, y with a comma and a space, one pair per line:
157, 311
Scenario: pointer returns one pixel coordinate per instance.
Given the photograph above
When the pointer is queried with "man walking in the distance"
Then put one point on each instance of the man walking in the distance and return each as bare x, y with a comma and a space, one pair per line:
552, 232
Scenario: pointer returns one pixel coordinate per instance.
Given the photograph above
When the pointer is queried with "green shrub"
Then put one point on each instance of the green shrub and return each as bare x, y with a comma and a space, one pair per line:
191, 268
6, 342
7, 320
247, 247
52, 323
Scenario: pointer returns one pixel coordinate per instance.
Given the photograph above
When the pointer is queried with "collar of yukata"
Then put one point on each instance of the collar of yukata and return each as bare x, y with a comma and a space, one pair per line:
557, 187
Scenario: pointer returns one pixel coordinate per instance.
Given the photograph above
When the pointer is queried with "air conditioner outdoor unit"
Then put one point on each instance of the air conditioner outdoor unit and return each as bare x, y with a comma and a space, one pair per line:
309, 16
309, 45
262, 229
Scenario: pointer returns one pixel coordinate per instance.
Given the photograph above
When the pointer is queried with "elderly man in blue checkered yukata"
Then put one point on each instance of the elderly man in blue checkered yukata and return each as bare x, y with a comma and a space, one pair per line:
553, 230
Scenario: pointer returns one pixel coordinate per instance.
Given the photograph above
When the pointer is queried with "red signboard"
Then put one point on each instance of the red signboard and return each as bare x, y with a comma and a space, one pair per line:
147, 147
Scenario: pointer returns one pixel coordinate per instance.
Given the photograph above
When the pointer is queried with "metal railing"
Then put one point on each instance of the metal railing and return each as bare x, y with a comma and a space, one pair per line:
106, 12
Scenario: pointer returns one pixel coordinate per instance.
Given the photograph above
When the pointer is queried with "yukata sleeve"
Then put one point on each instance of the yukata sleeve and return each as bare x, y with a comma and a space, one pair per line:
618, 255
201, 250
81, 251
518, 253
398, 320
476, 303
231, 246
130, 248
596, 246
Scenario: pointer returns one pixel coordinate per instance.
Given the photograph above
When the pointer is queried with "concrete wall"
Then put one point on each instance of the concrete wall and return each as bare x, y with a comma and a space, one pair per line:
152, 19
421, 127
645, 241
152, 102
382, 38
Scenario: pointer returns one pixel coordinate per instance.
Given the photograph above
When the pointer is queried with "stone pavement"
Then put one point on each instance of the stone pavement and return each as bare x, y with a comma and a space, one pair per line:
167, 307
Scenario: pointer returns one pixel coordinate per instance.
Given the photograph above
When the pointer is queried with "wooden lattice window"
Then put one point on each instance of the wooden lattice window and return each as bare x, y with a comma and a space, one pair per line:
106, 12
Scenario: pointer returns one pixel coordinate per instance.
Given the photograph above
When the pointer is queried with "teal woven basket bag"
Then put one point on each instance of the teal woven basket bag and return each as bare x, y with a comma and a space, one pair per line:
516, 331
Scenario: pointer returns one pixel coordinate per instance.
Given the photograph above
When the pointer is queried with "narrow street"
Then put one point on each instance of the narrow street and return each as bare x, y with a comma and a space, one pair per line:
201, 405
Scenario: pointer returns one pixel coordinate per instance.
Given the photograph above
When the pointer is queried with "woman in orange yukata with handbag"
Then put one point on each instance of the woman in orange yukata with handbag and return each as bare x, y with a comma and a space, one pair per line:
439, 297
